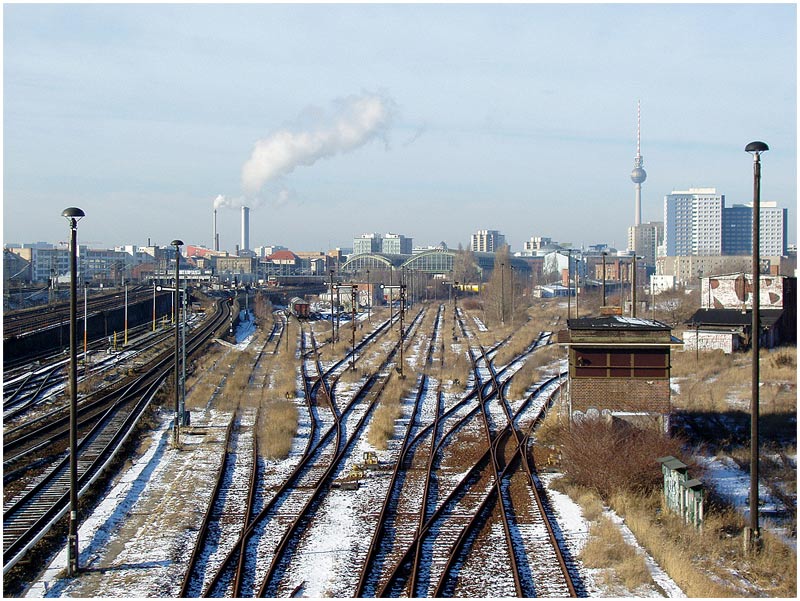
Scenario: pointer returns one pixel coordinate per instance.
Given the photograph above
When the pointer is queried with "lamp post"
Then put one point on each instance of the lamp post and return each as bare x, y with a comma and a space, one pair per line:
154, 305
85, 329
604, 278
577, 285
569, 281
511, 270
402, 332
369, 300
502, 294
333, 328
176, 305
633, 288
755, 148
73, 215
354, 299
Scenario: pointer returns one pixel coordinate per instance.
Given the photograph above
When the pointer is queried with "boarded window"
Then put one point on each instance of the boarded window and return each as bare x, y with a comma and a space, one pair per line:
621, 363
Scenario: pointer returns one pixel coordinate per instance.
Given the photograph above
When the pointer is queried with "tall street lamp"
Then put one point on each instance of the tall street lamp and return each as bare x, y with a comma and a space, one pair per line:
369, 300
633, 287
333, 327
73, 215
502, 294
176, 427
569, 280
755, 148
604, 278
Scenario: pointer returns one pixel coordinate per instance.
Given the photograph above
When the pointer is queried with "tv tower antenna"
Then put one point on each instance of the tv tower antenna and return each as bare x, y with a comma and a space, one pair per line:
638, 175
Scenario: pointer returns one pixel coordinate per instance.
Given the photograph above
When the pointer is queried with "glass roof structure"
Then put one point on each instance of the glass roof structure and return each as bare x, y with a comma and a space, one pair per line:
434, 261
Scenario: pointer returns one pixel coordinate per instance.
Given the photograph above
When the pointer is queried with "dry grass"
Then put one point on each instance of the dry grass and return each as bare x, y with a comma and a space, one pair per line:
455, 372
705, 562
533, 370
381, 427
730, 376
621, 563
277, 428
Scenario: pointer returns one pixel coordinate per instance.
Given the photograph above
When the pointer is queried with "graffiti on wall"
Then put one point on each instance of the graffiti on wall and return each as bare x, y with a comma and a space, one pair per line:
736, 292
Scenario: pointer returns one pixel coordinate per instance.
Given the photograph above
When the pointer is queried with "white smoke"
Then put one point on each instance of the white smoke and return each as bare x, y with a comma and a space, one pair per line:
225, 202
354, 121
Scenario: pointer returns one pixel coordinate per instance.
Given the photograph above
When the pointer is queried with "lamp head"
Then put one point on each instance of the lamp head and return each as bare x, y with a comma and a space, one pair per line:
177, 243
756, 147
73, 213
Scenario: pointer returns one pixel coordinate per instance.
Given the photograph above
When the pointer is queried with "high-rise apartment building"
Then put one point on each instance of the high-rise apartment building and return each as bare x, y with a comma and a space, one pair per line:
367, 243
737, 230
390, 244
773, 230
396, 244
487, 241
693, 222
697, 223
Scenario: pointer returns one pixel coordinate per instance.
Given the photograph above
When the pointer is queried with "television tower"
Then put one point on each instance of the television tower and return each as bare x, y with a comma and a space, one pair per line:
638, 175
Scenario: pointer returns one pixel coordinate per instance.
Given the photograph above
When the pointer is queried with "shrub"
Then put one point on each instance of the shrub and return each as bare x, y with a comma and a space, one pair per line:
611, 457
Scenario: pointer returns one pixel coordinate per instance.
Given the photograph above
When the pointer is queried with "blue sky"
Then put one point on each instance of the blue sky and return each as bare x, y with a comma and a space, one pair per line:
520, 117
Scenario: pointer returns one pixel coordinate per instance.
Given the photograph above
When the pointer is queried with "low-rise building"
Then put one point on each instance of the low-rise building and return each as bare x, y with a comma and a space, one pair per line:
619, 367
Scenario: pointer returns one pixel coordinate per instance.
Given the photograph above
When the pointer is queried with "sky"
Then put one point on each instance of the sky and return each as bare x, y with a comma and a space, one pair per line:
428, 120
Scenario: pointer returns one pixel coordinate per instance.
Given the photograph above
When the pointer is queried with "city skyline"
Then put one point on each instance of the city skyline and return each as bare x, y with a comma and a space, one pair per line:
432, 121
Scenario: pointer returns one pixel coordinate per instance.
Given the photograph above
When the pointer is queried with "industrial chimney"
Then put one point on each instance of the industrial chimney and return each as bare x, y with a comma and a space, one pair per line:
245, 228
215, 237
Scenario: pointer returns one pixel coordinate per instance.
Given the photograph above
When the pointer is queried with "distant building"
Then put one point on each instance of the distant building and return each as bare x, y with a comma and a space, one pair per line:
737, 230
644, 239
367, 243
693, 222
396, 244
724, 320
619, 367
487, 241
688, 270
235, 269
388, 244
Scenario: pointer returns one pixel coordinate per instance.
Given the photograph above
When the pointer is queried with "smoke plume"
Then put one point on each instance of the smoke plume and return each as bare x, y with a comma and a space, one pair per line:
354, 121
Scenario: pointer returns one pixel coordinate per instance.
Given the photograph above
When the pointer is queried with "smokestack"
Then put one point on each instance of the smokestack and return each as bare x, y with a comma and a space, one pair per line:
215, 237
245, 228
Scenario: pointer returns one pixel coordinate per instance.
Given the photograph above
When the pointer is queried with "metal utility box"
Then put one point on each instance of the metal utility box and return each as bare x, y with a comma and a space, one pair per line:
682, 495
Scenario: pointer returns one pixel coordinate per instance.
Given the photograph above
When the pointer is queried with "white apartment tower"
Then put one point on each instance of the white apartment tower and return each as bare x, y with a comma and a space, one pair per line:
772, 229
693, 222
487, 241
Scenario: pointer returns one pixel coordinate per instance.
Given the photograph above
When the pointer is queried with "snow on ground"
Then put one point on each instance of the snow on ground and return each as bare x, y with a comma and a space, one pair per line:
245, 330
481, 326
138, 540
574, 534
733, 485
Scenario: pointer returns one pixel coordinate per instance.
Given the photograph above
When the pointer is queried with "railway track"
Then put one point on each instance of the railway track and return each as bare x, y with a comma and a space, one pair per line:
29, 516
19, 323
456, 495
419, 567
279, 524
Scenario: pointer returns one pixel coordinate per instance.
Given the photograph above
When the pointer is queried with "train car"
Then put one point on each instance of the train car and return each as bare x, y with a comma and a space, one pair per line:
299, 307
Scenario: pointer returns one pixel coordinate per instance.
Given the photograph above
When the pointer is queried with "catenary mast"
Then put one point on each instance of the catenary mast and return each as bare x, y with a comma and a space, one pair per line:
638, 175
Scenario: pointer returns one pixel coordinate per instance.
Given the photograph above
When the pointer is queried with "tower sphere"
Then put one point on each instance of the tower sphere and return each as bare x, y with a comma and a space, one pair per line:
638, 175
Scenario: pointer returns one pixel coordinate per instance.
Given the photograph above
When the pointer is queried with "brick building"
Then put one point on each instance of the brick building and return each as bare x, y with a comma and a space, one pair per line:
619, 366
